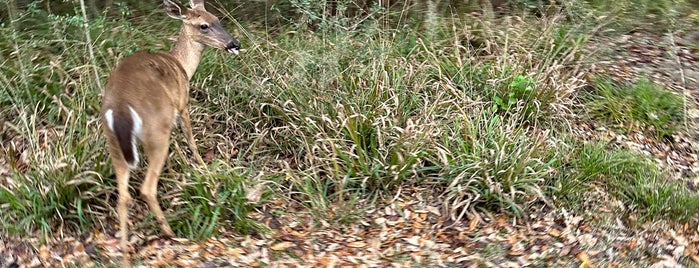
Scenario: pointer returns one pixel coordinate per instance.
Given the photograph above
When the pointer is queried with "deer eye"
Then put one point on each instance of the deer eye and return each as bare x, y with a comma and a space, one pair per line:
204, 27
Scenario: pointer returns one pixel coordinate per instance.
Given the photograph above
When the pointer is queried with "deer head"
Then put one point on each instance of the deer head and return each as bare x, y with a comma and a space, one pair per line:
201, 26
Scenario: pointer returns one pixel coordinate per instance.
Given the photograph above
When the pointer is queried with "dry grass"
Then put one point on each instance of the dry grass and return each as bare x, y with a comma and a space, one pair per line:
477, 110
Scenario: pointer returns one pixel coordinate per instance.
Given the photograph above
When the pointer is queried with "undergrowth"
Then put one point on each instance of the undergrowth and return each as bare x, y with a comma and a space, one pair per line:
629, 177
334, 110
638, 106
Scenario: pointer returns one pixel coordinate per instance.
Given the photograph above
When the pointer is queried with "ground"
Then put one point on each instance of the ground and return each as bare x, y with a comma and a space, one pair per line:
411, 231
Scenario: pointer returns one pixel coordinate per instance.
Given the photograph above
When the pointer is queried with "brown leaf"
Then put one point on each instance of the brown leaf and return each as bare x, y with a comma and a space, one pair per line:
296, 234
194, 248
235, 251
565, 251
695, 258
417, 226
357, 244
281, 246
415, 240
79, 248
209, 155
474, 223
326, 261
44, 253
582, 256
555, 233
516, 253
255, 193
185, 263
632, 243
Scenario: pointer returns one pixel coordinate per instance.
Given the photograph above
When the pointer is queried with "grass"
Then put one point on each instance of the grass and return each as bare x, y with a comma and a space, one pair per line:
630, 177
638, 106
334, 112
495, 163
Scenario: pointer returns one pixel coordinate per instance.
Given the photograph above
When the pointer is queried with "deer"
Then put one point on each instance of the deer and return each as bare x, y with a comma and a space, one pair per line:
142, 99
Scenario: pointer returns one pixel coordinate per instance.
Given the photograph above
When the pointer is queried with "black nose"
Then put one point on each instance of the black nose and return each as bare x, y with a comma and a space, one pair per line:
233, 44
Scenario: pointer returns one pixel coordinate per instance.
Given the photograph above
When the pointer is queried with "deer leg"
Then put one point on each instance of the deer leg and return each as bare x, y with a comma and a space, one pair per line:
121, 170
123, 211
184, 115
156, 149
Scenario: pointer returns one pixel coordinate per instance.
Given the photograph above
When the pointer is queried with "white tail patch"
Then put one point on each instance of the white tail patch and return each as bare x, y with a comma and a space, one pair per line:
109, 116
137, 131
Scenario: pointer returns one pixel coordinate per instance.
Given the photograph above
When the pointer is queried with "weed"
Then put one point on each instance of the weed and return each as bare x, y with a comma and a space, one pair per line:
520, 89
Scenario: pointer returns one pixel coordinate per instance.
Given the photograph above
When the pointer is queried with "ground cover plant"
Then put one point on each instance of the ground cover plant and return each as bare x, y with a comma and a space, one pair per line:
339, 109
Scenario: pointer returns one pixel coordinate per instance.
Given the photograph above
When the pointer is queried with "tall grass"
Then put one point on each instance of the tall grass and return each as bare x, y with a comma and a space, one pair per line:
336, 111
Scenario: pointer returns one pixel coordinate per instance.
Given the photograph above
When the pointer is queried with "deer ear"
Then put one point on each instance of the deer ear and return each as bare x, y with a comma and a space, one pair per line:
175, 9
197, 4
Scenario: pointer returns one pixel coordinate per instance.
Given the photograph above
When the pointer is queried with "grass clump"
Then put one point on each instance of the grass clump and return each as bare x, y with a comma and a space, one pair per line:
632, 178
211, 200
638, 106
491, 161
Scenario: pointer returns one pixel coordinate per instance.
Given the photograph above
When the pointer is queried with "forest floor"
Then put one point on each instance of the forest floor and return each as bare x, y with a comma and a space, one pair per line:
411, 231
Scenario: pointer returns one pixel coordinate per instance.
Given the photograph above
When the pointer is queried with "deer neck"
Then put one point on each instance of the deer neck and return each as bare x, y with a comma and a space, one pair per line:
187, 52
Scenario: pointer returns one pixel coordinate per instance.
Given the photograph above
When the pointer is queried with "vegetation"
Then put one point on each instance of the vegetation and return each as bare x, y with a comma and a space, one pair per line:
331, 110
630, 178
643, 105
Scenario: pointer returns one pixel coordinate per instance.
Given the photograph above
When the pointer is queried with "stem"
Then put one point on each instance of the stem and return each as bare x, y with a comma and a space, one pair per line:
90, 49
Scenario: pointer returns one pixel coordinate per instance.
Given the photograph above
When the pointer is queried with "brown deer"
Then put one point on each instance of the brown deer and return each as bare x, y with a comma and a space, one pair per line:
143, 97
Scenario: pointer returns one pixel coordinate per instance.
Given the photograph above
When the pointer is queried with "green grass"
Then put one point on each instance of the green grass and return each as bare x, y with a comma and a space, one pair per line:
332, 112
639, 106
631, 178
494, 163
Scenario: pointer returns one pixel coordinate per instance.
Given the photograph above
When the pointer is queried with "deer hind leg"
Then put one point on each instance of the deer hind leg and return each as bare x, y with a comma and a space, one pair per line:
122, 174
121, 170
156, 147
186, 122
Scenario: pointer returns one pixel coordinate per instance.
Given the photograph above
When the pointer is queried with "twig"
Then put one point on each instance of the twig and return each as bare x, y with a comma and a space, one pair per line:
685, 92
90, 50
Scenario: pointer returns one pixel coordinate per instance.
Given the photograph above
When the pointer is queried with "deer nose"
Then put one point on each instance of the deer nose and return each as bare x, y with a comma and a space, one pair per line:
233, 46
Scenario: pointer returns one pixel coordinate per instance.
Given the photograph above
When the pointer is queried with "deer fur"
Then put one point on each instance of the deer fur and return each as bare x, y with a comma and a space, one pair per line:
144, 95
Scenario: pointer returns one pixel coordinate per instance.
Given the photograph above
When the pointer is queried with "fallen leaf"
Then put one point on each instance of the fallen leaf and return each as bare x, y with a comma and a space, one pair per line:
695, 258
474, 223
632, 243
415, 240
516, 253
235, 251
433, 210
255, 193
357, 244
555, 233
582, 256
44, 253
281, 246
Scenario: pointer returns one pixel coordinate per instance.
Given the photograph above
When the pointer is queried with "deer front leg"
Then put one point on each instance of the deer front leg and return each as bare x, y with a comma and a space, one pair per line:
184, 115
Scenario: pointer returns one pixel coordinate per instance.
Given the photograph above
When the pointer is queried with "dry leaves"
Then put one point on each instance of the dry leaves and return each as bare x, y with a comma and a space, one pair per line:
412, 237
